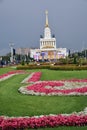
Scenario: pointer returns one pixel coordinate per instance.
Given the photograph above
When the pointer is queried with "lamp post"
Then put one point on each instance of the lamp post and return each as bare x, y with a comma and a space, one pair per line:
11, 47
85, 54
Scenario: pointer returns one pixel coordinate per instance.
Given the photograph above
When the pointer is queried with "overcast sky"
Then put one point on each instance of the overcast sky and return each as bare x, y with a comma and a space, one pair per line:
23, 21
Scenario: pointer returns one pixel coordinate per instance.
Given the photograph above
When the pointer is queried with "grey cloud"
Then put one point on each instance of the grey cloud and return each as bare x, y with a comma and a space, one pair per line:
22, 21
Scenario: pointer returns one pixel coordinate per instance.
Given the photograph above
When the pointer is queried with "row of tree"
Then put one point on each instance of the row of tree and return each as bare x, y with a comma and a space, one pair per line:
73, 58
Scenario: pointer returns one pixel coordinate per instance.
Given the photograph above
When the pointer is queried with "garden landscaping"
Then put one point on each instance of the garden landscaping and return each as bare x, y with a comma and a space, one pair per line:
62, 87
47, 110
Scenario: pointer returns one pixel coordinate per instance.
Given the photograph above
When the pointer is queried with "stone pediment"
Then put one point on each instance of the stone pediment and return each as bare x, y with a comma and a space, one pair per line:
47, 47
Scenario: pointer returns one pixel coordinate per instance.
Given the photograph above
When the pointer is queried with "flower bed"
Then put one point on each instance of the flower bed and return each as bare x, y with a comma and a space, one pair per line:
10, 74
74, 119
64, 87
33, 77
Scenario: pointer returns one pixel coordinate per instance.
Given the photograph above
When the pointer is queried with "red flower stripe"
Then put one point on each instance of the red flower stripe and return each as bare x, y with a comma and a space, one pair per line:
11, 73
42, 121
35, 77
41, 88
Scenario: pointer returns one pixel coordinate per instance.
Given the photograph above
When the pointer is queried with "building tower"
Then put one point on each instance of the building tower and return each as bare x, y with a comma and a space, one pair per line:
47, 42
48, 50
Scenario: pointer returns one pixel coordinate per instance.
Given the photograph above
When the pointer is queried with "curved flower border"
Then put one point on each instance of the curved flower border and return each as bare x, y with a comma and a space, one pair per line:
62, 87
32, 78
56, 88
10, 74
73, 119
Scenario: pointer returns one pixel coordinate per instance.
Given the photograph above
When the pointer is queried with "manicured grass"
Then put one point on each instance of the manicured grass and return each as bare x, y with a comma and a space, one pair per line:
6, 69
64, 128
58, 75
12, 103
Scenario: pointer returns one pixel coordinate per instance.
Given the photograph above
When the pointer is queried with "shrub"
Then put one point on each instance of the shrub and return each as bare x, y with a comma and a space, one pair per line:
67, 67
22, 63
52, 67
33, 67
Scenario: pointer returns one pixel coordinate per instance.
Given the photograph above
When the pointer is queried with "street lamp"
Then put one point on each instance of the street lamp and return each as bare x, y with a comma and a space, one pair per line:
11, 47
85, 54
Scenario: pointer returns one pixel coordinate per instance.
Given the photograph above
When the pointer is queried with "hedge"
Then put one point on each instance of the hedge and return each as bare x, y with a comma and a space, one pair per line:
52, 67
67, 67
33, 67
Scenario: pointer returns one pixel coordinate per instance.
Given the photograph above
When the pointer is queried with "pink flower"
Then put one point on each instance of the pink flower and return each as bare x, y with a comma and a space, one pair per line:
45, 121
9, 74
35, 77
55, 88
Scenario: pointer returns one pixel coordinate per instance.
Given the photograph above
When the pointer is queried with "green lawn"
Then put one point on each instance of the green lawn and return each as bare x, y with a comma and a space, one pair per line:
63, 128
12, 103
5, 70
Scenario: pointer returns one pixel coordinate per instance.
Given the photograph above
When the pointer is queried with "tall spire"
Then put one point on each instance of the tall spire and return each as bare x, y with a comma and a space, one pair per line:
47, 24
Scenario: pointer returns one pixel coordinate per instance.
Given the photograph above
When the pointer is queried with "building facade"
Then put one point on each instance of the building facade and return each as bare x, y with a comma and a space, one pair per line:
23, 51
47, 42
48, 50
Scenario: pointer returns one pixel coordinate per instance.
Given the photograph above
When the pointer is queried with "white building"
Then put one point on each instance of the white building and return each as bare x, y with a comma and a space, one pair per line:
48, 48
47, 43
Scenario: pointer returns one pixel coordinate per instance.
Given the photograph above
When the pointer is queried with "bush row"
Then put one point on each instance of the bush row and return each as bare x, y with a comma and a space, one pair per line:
52, 67
33, 67
68, 67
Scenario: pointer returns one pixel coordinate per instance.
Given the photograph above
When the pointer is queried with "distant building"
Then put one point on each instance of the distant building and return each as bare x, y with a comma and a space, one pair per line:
23, 51
48, 42
48, 48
